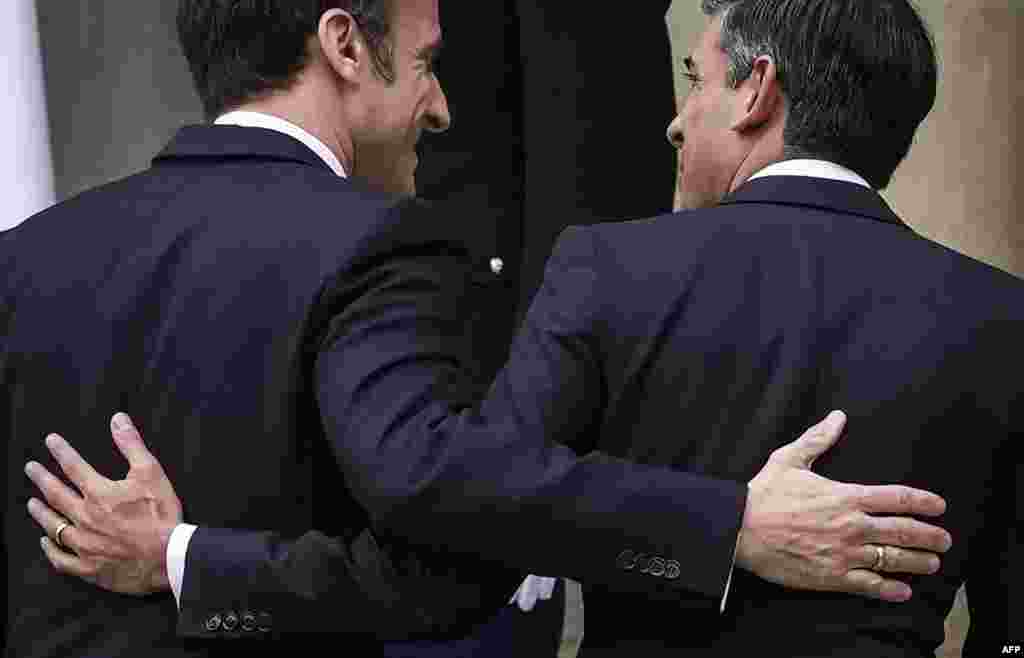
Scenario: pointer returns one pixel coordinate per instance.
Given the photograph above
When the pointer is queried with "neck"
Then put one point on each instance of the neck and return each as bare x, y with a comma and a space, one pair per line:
766, 148
753, 163
317, 116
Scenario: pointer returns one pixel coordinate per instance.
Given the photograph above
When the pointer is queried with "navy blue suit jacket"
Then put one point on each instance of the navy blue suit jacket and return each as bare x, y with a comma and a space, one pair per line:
704, 340
193, 296
264, 321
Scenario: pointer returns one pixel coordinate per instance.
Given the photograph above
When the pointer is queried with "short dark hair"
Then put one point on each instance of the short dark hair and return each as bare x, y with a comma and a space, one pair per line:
858, 76
239, 49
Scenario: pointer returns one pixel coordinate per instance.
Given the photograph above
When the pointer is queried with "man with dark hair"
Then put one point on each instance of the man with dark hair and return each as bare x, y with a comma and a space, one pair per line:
817, 293
259, 311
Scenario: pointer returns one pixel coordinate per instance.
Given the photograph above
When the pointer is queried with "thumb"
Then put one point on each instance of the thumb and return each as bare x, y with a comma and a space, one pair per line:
813, 443
129, 441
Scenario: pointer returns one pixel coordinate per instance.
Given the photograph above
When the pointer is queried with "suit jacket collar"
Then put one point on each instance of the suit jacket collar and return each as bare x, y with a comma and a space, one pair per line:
230, 142
825, 194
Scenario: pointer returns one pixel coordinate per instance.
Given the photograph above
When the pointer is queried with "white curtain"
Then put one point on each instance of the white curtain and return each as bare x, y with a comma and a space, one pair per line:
26, 168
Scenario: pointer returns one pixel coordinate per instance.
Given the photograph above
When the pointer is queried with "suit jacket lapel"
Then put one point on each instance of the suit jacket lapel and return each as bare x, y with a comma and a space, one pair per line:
825, 194
230, 142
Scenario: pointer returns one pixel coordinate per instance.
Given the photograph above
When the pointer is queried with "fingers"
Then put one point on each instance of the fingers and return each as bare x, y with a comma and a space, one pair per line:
813, 443
872, 585
129, 441
897, 499
61, 497
65, 562
908, 533
50, 522
900, 560
77, 469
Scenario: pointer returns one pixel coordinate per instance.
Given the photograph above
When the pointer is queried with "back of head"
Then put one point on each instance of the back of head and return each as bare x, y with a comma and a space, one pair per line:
858, 76
239, 50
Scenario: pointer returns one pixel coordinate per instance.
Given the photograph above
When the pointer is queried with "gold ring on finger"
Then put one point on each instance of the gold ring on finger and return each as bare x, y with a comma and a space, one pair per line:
61, 528
879, 564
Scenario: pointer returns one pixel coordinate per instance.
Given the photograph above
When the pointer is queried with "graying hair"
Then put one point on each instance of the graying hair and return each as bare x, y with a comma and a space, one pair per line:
740, 51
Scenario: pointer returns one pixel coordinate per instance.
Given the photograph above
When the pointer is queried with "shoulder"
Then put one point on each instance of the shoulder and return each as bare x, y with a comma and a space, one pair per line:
646, 245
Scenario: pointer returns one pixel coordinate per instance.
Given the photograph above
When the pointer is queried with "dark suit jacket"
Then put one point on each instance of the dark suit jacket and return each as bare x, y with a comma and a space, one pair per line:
704, 340
701, 341
211, 297
194, 296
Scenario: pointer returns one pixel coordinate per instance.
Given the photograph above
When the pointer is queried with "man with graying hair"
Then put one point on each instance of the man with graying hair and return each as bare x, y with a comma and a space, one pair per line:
639, 434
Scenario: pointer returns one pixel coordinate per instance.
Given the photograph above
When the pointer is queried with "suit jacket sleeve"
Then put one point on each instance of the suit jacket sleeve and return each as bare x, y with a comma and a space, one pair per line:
298, 584
503, 479
499, 480
315, 583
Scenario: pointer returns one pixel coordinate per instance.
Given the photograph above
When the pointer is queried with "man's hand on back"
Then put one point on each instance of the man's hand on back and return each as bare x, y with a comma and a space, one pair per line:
799, 529
804, 531
117, 531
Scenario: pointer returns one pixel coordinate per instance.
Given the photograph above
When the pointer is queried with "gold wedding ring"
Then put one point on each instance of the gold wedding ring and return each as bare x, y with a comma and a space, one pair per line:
61, 528
879, 564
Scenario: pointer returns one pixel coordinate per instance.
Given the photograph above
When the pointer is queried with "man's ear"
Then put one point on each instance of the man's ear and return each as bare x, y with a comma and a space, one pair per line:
759, 96
341, 43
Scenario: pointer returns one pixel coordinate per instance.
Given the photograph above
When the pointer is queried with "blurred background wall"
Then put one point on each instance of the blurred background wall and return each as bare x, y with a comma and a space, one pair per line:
117, 87
26, 172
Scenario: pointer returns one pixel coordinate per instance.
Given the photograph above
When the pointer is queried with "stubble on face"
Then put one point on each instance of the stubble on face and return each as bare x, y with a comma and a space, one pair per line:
399, 111
705, 169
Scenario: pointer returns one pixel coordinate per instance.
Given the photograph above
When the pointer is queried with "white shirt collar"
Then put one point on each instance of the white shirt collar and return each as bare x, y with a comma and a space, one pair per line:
270, 122
812, 168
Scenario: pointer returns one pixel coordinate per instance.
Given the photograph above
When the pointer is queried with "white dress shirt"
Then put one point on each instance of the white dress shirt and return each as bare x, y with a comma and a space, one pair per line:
813, 169
269, 122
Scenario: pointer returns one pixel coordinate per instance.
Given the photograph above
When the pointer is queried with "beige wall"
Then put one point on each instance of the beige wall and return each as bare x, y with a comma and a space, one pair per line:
961, 183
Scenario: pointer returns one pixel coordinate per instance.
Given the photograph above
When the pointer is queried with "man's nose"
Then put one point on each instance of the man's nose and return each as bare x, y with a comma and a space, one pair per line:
438, 117
675, 132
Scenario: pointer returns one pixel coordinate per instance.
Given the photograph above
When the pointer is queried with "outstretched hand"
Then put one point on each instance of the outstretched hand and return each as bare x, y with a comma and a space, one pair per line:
111, 533
804, 531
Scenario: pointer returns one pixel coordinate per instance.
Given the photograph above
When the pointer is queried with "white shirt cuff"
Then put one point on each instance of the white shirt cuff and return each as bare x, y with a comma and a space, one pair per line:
728, 582
177, 548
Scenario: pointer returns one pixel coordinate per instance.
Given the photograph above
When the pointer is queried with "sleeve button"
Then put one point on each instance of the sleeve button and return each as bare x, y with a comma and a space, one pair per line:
213, 623
264, 622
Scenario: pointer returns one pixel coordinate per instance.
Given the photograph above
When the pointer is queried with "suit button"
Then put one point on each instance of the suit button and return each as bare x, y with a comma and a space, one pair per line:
672, 570
248, 622
657, 566
643, 563
230, 622
626, 560
213, 623
264, 622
